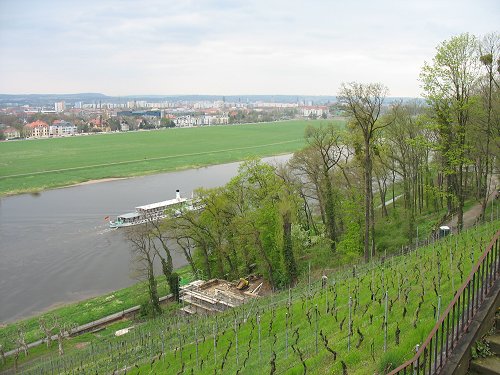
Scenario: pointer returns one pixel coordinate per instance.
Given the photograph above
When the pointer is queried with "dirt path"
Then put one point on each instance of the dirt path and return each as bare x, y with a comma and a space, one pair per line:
471, 216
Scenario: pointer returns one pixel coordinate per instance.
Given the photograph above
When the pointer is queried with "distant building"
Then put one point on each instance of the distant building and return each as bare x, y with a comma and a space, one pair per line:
61, 128
313, 111
99, 123
11, 133
60, 107
37, 129
207, 119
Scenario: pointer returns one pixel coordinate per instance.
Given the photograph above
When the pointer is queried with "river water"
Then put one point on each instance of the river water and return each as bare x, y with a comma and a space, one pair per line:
56, 246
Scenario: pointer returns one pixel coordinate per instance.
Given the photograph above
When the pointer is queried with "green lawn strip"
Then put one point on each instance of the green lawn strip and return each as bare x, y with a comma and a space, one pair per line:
400, 271
89, 310
41, 164
71, 346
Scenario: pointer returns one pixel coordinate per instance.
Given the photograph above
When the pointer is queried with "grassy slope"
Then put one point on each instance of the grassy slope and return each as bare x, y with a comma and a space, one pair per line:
406, 275
62, 161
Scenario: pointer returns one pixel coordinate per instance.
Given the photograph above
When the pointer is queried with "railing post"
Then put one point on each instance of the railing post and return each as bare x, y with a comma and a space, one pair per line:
447, 333
478, 280
442, 346
486, 286
468, 301
473, 294
453, 328
430, 356
482, 282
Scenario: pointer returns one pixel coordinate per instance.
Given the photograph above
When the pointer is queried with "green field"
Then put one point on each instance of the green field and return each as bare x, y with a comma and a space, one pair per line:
34, 165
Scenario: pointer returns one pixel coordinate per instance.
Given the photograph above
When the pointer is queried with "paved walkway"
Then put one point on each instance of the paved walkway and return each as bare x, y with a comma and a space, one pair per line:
471, 216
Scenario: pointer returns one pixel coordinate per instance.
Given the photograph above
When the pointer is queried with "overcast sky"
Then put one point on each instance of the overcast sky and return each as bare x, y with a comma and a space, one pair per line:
122, 47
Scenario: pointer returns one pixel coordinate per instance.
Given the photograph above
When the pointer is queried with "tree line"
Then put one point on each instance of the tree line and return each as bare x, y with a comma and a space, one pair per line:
438, 153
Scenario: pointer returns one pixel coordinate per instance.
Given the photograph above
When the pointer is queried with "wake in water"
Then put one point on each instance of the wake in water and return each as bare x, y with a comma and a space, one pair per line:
104, 231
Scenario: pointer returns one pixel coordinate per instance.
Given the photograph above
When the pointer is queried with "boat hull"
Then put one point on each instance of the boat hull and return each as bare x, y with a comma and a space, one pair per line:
118, 224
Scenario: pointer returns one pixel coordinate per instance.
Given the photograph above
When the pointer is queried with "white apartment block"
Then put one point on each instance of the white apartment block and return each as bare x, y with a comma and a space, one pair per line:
188, 120
60, 106
62, 128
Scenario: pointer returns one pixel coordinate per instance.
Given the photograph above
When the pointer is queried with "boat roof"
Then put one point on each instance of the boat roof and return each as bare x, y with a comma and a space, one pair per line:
165, 204
129, 215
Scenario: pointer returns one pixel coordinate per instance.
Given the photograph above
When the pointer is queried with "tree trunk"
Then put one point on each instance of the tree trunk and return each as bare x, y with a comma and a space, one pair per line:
153, 290
367, 202
330, 212
461, 200
264, 256
291, 266
60, 338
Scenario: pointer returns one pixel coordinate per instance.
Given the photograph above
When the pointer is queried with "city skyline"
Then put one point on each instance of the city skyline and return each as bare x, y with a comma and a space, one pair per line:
219, 47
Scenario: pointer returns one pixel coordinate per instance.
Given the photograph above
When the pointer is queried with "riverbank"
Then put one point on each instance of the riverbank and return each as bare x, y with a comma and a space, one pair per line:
90, 182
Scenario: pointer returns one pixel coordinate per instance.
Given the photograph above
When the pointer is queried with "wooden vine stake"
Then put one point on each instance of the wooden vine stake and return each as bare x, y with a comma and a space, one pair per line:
196, 340
236, 342
316, 333
350, 322
215, 344
385, 322
260, 351
286, 335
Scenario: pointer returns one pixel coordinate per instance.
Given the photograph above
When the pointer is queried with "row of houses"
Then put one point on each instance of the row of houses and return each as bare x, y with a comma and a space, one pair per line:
40, 129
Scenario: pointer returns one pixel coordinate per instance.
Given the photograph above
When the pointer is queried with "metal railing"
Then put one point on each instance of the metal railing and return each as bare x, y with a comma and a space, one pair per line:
433, 353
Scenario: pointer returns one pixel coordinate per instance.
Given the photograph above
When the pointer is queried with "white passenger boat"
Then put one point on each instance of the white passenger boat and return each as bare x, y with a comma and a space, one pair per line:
153, 212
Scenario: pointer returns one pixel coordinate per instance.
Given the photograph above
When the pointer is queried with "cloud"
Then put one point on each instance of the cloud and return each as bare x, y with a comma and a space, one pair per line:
225, 47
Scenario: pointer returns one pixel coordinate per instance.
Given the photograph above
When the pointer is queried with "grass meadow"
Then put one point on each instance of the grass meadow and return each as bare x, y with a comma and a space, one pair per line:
35, 165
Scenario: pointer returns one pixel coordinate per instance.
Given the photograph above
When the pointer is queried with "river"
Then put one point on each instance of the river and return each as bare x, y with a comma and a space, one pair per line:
56, 247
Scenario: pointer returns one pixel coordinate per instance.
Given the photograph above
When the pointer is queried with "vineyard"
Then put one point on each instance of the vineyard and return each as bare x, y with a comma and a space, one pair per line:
365, 319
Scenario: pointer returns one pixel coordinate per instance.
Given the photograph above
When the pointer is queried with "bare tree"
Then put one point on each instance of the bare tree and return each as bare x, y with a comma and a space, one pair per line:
327, 142
363, 103
144, 253
489, 51
21, 339
63, 331
47, 325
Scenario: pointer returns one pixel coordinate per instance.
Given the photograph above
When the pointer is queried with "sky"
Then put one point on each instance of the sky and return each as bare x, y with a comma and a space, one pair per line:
227, 47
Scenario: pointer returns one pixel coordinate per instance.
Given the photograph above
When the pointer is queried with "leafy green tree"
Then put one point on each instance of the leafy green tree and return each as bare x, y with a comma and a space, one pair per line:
114, 123
246, 222
167, 123
449, 83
